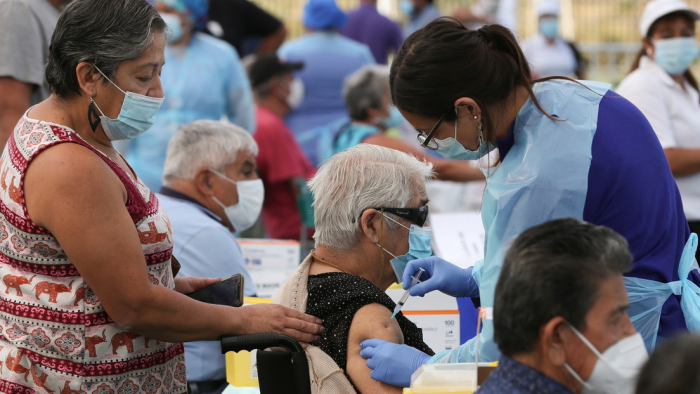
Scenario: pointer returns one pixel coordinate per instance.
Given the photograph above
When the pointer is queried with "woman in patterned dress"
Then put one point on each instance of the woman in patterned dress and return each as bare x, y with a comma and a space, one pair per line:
90, 303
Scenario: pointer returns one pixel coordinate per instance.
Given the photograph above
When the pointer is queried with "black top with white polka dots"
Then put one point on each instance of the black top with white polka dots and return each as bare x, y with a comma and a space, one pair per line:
335, 297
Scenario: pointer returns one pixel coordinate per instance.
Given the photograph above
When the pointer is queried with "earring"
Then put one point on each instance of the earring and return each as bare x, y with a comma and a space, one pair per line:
93, 116
480, 128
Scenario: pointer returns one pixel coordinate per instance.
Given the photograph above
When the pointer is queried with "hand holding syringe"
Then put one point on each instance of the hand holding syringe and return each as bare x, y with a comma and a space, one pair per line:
415, 280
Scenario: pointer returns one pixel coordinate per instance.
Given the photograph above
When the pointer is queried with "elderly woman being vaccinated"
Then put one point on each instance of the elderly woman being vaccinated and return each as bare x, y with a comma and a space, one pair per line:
370, 214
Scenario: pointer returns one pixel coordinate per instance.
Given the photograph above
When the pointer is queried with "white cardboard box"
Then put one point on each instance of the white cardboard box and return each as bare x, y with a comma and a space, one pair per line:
269, 263
269, 254
436, 314
268, 282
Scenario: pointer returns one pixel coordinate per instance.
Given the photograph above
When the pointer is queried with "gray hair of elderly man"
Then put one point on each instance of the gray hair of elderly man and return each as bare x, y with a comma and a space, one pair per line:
104, 33
365, 88
362, 177
553, 269
205, 144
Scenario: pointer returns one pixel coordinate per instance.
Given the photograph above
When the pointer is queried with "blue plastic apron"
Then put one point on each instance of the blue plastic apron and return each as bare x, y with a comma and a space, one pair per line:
647, 297
543, 177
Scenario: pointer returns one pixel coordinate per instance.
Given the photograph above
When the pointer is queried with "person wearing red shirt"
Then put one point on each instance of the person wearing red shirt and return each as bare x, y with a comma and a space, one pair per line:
281, 161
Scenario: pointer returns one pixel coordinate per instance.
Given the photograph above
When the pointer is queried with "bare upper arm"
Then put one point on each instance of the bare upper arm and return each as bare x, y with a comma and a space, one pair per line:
14, 93
73, 194
370, 321
14, 100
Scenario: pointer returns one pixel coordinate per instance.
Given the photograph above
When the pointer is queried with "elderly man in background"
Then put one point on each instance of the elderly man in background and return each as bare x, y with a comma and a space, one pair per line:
560, 315
26, 27
328, 58
211, 190
281, 163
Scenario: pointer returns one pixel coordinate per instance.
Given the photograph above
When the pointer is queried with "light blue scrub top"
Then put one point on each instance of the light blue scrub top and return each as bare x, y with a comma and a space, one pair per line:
202, 81
205, 249
353, 134
328, 59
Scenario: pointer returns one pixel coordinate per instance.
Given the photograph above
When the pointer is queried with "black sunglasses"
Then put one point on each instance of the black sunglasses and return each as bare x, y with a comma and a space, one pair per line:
427, 140
417, 216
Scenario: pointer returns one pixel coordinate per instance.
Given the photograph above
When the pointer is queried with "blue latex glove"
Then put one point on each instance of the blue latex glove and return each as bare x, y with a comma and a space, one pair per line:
440, 275
392, 363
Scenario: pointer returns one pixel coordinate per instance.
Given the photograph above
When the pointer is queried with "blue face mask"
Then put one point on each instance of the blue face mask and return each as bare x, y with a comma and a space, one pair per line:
175, 25
549, 28
452, 149
135, 117
418, 247
395, 118
675, 55
406, 7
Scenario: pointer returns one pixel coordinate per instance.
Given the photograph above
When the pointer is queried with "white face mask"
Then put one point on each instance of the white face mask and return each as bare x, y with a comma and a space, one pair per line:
251, 195
617, 368
296, 93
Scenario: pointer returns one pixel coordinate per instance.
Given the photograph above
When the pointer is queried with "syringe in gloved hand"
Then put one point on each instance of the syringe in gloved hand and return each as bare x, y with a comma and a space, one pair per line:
415, 280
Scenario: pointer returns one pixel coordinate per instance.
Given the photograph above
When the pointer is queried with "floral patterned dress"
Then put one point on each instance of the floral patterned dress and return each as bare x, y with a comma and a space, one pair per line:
55, 336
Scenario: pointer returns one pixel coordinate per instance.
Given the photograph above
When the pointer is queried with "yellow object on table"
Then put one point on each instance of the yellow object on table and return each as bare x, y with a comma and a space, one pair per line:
240, 367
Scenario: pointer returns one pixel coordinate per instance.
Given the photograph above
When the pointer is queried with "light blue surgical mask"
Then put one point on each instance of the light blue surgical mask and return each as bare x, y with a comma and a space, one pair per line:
395, 118
418, 247
175, 25
135, 117
675, 55
406, 7
549, 28
452, 149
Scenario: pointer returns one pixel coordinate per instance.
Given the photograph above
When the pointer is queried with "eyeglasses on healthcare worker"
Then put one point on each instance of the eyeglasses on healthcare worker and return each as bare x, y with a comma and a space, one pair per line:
662, 86
567, 149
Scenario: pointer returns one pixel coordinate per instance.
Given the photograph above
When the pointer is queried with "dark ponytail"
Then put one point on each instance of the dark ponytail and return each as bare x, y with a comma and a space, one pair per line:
445, 61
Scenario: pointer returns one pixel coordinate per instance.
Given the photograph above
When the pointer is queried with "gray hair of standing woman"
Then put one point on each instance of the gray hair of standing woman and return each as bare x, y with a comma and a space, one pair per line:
365, 88
102, 32
673, 368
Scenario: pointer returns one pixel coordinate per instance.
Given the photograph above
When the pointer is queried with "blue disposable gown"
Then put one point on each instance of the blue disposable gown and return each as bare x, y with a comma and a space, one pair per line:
545, 176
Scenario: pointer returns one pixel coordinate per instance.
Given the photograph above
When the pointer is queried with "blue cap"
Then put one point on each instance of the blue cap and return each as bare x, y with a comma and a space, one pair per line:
196, 9
323, 15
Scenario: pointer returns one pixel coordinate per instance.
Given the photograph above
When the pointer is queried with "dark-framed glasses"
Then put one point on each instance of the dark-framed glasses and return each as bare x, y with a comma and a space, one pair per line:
427, 141
418, 216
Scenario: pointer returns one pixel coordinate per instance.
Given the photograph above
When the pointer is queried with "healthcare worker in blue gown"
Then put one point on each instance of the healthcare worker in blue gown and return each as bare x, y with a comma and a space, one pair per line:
567, 149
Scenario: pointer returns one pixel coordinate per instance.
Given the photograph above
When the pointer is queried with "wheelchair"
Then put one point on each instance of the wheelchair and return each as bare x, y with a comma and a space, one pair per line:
281, 361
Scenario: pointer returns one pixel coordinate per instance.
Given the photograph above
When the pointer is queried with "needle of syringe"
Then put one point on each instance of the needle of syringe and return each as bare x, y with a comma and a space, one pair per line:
404, 297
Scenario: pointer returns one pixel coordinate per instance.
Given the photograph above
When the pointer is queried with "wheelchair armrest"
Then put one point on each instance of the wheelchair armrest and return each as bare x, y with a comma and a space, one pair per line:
249, 342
